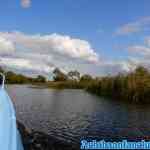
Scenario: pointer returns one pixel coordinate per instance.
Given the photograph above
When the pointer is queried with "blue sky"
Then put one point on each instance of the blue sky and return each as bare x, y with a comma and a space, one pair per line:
111, 28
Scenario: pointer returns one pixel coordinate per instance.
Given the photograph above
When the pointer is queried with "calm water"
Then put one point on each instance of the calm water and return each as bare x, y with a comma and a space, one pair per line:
73, 114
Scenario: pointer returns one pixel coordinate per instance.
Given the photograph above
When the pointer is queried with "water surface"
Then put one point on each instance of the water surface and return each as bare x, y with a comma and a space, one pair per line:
74, 114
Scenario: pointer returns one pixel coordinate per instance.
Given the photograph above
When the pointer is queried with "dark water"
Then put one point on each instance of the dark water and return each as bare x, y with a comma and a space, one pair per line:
73, 114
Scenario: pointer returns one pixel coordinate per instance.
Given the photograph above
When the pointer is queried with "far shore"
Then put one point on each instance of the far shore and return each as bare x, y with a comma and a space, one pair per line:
133, 87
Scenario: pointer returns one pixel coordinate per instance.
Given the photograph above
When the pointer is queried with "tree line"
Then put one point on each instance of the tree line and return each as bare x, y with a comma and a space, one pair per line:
13, 78
71, 75
133, 86
71, 80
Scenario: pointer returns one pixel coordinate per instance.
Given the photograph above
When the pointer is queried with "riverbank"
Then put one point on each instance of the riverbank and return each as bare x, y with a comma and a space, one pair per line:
133, 87
35, 140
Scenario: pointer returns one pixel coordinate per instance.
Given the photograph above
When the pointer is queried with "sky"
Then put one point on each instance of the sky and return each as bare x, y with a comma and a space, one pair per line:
97, 37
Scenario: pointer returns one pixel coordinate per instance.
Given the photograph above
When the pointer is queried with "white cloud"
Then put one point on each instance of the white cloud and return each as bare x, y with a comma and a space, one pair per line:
147, 41
140, 50
113, 67
25, 65
25, 3
140, 54
143, 61
134, 27
6, 46
54, 44
127, 29
41, 53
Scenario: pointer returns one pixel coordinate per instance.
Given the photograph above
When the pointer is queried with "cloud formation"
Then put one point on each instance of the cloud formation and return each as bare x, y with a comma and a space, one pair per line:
134, 27
140, 54
54, 44
140, 50
41, 53
25, 3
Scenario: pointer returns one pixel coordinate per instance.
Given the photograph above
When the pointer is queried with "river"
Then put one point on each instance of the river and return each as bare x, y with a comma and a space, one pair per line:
70, 115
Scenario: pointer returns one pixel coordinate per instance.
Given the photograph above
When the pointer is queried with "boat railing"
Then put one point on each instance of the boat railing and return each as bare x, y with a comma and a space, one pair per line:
2, 80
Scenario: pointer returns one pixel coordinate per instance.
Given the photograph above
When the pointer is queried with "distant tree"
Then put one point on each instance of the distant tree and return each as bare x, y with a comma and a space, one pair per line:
13, 78
59, 75
1, 70
10, 77
141, 71
40, 78
74, 75
56, 71
86, 77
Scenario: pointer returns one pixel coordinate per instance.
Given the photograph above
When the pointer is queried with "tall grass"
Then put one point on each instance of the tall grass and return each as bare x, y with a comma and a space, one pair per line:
133, 87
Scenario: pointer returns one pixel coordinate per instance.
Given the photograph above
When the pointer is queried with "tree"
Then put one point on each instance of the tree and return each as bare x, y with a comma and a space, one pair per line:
59, 75
74, 75
40, 78
86, 77
141, 71
1, 70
